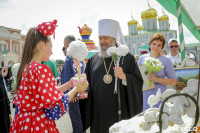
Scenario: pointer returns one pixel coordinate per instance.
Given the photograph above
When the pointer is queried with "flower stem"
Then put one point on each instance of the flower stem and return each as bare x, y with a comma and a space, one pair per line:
79, 69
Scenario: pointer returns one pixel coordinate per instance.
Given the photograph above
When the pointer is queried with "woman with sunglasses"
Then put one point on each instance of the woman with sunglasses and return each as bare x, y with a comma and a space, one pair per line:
166, 76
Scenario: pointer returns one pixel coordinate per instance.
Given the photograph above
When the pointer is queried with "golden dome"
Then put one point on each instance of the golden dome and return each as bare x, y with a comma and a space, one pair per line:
132, 22
139, 27
149, 13
163, 17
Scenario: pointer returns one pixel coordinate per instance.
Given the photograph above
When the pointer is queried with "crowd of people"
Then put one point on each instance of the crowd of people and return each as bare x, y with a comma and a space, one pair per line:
40, 100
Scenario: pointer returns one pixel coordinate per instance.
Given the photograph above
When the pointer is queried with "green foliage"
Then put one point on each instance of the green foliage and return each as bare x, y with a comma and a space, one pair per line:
59, 62
115, 57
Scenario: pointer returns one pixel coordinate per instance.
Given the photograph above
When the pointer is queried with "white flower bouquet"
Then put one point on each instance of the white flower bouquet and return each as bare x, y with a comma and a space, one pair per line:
153, 65
116, 53
78, 51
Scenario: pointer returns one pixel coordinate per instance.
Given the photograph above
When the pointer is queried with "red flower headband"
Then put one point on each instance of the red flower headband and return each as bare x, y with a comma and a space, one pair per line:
47, 28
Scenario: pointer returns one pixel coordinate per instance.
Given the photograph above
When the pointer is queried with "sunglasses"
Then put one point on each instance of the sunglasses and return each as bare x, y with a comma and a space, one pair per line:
176, 46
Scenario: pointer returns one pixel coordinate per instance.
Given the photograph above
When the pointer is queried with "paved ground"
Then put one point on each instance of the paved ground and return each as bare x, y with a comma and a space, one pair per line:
63, 124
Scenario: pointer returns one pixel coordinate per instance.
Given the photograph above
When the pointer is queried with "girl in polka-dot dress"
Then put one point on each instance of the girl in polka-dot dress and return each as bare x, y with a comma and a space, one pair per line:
39, 100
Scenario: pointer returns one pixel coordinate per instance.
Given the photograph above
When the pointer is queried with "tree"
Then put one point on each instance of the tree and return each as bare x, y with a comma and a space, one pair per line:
59, 61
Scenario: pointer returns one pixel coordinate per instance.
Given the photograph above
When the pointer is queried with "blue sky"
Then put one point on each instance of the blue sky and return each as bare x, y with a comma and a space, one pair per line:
23, 14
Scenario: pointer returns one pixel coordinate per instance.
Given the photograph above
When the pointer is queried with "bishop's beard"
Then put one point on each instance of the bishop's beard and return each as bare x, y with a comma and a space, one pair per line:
102, 52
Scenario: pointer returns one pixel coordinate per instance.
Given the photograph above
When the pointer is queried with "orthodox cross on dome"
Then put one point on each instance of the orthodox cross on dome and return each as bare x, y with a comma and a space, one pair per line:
148, 4
163, 11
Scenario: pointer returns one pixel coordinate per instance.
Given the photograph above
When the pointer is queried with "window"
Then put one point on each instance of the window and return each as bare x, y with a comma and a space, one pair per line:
4, 48
15, 49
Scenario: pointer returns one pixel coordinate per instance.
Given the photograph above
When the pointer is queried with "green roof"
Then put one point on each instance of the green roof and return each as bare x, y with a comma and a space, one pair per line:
192, 45
5, 52
145, 47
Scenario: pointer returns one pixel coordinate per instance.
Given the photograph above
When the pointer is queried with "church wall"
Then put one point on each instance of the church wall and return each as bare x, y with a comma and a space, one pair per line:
163, 25
15, 43
14, 30
132, 29
136, 41
13, 38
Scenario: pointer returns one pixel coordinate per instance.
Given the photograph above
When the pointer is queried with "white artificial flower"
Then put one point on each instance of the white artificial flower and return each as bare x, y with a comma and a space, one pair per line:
150, 118
154, 62
148, 59
189, 91
193, 83
153, 109
173, 110
111, 50
77, 50
170, 114
167, 93
154, 99
189, 106
192, 87
122, 50
146, 126
181, 102
191, 110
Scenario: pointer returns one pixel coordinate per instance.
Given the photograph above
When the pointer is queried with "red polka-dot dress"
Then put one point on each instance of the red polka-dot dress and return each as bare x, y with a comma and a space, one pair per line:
36, 93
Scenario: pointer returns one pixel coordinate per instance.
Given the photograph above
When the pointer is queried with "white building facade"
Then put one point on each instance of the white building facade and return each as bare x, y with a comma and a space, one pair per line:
11, 46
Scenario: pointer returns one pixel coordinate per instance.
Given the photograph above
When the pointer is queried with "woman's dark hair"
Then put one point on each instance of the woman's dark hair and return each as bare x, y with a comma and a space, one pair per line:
158, 37
32, 39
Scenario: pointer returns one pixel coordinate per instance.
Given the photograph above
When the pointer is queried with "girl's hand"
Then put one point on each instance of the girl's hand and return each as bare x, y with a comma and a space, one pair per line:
10, 116
82, 95
82, 86
70, 84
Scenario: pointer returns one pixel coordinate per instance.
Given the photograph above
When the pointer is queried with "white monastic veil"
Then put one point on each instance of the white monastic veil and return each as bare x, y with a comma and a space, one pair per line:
109, 27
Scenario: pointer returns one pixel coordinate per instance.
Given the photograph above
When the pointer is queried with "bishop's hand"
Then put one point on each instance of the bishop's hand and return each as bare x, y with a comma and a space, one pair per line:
118, 71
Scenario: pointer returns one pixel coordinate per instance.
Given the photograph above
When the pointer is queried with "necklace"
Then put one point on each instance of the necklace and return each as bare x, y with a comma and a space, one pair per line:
107, 78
